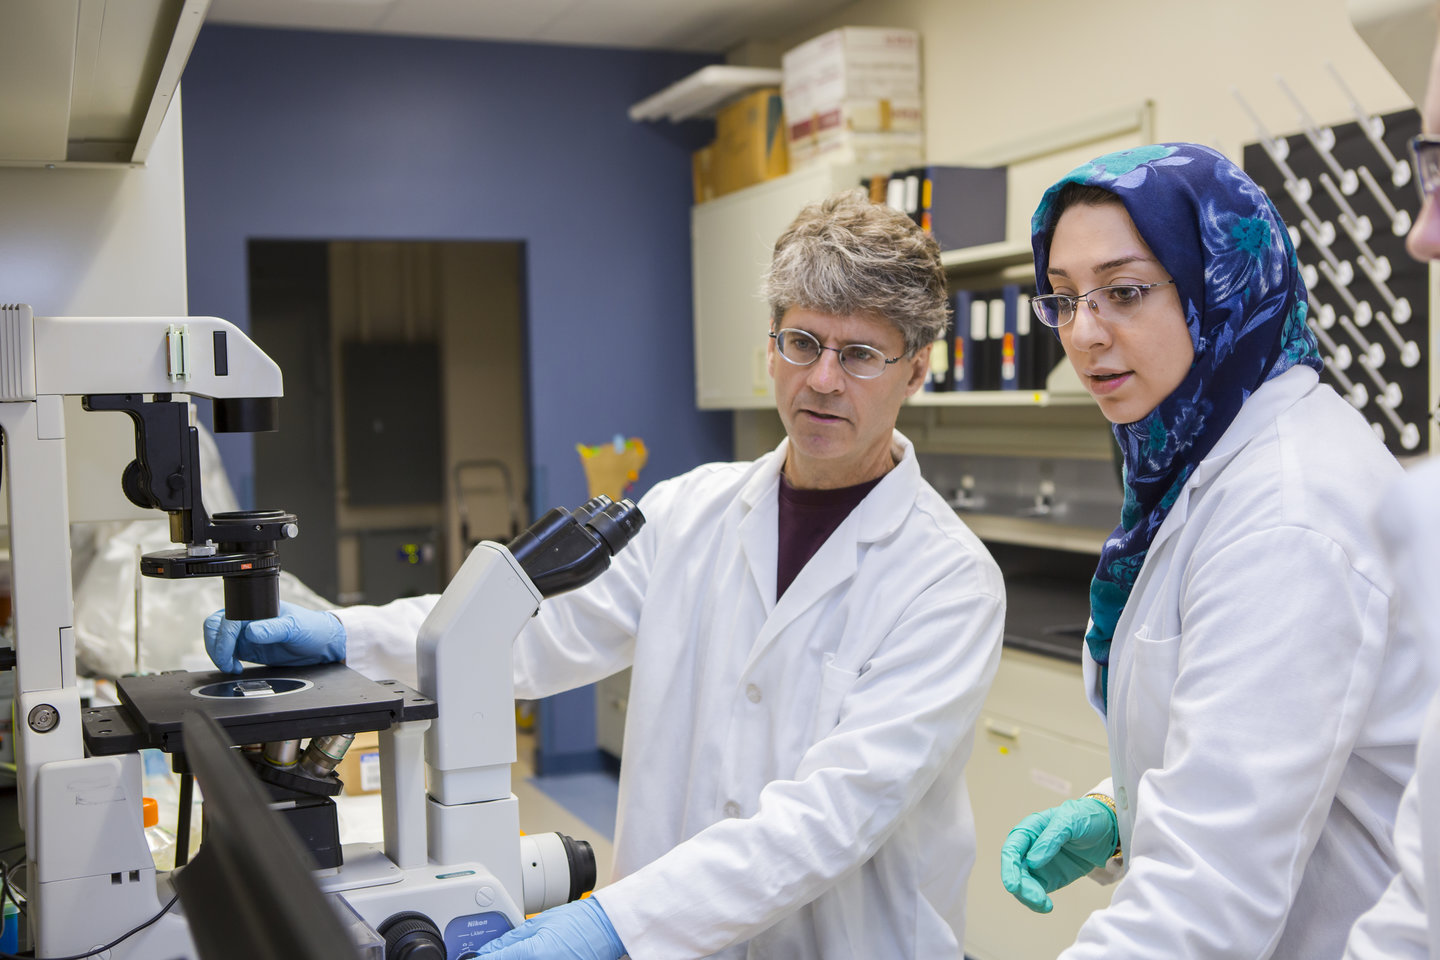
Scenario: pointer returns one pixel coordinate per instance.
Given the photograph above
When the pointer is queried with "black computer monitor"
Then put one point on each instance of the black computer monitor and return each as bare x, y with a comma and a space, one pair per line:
249, 892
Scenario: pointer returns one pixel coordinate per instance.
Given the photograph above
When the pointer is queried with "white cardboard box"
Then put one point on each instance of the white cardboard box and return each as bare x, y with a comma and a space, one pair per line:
873, 153
850, 63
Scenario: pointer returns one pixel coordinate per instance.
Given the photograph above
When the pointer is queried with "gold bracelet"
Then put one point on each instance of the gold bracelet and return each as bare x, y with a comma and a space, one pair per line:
1111, 804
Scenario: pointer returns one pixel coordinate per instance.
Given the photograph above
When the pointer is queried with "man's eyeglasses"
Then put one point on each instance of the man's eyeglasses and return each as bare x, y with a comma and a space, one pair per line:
1117, 301
1425, 152
856, 359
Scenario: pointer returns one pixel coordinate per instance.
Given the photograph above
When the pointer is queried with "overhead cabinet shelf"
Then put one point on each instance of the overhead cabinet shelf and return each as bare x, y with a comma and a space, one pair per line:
88, 81
703, 92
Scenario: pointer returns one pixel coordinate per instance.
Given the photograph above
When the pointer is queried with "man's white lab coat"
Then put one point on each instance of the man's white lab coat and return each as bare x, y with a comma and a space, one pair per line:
1262, 716
793, 780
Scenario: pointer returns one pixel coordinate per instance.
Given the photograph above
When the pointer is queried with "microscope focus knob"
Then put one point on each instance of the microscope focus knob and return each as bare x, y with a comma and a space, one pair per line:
412, 936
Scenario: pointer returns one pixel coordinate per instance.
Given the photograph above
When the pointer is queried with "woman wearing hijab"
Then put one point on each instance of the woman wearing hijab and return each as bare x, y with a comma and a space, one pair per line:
1261, 716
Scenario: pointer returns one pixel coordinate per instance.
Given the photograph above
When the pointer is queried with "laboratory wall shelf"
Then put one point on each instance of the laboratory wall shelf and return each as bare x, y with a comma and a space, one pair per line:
703, 92
1000, 398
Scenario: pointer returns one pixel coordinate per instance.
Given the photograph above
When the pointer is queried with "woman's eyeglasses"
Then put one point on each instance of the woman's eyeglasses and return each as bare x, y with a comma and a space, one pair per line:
1116, 301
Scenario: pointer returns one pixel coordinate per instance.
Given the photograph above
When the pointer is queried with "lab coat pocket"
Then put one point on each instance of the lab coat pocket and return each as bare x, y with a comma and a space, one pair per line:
1154, 666
835, 683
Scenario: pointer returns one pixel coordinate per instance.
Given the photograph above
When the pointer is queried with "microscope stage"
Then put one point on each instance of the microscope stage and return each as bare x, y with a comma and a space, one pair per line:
262, 704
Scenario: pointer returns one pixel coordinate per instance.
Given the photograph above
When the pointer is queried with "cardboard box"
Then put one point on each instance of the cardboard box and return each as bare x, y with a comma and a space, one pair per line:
749, 145
702, 175
859, 116
359, 769
850, 63
873, 153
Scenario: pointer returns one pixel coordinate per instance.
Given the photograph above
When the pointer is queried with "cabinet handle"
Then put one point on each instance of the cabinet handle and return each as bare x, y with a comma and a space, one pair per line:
1004, 731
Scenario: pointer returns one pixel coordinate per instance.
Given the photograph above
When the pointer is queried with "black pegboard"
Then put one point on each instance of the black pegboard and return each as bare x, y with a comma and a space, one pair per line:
1341, 290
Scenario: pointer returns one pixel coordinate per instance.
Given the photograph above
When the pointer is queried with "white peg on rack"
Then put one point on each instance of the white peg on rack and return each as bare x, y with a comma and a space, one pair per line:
1374, 129
1359, 309
1354, 392
1322, 139
1409, 350
1294, 237
1342, 272
1399, 219
1400, 308
1325, 313
1339, 352
1299, 191
1277, 149
1370, 352
1388, 395
1359, 226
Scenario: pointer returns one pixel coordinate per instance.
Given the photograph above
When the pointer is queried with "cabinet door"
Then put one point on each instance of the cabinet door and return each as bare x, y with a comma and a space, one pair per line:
731, 242
1038, 743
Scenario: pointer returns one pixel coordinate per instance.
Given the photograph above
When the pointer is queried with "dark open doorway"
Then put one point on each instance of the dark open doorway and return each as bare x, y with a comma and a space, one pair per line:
404, 416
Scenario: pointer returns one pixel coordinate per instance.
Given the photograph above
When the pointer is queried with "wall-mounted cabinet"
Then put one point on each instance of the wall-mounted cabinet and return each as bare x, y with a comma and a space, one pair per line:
731, 242
732, 239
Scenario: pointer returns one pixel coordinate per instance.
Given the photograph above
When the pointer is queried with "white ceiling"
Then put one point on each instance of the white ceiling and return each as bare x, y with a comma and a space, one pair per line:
709, 26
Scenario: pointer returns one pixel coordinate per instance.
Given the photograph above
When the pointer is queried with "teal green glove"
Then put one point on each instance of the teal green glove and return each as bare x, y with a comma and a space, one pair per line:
296, 637
573, 931
1054, 847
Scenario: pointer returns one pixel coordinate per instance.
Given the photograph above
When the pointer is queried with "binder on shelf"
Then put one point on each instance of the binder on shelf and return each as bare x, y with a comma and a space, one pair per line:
961, 355
912, 179
1014, 350
978, 347
962, 206
994, 342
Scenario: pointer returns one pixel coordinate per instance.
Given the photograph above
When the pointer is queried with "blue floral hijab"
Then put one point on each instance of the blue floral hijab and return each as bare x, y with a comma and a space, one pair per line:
1230, 255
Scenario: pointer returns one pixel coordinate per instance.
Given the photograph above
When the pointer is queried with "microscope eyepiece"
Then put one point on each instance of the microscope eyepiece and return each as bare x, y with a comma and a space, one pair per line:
564, 550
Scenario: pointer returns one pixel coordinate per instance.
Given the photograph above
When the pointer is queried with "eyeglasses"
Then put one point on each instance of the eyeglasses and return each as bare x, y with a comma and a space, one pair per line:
1119, 301
1425, 152
856, 359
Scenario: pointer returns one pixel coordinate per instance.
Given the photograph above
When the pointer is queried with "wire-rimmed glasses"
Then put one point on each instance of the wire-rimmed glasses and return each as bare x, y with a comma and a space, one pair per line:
1118, 301
1425, 153
858, 360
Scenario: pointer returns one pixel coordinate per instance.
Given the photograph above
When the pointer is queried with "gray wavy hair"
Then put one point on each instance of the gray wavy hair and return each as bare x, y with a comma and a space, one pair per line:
845, 256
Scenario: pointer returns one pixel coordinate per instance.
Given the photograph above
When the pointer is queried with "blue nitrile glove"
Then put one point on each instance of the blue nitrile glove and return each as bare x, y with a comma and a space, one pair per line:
298, 636
1054, 847
574, 931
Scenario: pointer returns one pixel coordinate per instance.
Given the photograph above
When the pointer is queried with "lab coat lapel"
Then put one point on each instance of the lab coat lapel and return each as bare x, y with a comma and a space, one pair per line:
759, 528
835, 563
1258, 413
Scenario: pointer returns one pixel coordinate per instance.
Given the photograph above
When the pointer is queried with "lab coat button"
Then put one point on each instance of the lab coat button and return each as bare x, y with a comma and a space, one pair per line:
753, 693
1122, 799
732, 809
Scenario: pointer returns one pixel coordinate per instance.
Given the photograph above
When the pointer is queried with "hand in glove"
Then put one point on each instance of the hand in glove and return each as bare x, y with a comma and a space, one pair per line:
1054, 847
296, 637
574, 931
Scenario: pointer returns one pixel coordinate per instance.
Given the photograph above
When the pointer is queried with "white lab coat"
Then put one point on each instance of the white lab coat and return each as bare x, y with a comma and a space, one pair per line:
793, 780
1262, 716
1397, 926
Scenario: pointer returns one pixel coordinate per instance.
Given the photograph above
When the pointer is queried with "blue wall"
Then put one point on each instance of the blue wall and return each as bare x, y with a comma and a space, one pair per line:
293, 134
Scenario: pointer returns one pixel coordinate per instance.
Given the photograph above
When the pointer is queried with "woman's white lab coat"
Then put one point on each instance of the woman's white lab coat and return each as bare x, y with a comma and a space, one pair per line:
793, 779
1262, 718
1397, 927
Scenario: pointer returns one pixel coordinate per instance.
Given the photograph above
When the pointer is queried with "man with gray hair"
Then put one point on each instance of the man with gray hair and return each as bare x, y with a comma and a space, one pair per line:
812, 635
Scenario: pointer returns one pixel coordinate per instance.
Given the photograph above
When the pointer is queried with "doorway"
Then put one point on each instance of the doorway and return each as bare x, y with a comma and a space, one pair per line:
404, 422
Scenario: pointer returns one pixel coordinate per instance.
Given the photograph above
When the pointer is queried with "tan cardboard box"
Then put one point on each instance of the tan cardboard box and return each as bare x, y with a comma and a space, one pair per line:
359, 769
701, 174
749, 145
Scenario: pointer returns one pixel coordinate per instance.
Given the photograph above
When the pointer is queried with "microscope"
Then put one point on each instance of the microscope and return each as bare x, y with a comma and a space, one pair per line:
453, 871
